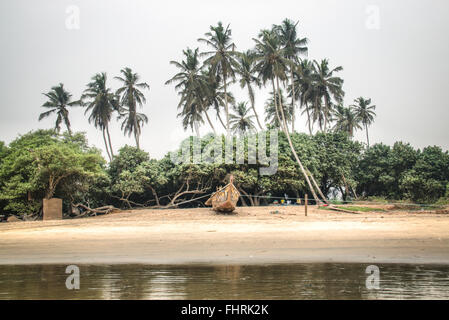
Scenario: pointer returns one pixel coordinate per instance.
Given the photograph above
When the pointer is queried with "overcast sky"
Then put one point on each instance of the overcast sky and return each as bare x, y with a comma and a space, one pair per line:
395, 52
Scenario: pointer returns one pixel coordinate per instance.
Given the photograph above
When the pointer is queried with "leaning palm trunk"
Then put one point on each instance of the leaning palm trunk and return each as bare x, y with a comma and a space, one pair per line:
284, 126
293, 101
254, 108
257, 117
109, 139
210, 123
221, 120
316, 186
308, 118
106, 145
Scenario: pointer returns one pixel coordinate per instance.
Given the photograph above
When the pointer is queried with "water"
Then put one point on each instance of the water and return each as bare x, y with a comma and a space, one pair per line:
282, 281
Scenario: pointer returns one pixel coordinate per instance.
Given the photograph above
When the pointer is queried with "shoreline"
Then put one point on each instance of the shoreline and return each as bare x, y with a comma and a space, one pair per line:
252, 236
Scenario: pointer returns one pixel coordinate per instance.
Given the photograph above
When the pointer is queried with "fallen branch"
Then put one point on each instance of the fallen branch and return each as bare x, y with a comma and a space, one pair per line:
183, 202
95, 211
343, 210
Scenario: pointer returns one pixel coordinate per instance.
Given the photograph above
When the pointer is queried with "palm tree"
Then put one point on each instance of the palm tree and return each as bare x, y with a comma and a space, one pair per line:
328, 86
245, 69
241, 121
221, 59
293, 47
193, 85
101, 103
365, 113
132, 122
58, 102
271, 115
303, 80
346, 120
215, 95
271, 65
192, 117
270, 62
131, 96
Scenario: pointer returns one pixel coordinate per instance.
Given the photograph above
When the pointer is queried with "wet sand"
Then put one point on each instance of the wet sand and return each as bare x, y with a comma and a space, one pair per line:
252, 236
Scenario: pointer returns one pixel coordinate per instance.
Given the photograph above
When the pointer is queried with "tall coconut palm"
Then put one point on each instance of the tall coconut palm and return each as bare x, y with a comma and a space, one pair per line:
215, 95
245, 69
192, 86
271, 115
241, 121
101, 103
191, 116
221, 59
346, 120
189, 70
131, 96
303, 80
319, 113
293, 47
328, 86
365, 112
271, 65
59, 100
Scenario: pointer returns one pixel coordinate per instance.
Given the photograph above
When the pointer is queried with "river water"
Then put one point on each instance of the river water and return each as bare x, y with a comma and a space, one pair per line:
277, 281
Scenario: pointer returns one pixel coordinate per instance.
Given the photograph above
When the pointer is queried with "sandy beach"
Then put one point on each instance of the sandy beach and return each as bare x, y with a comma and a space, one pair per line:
252, 236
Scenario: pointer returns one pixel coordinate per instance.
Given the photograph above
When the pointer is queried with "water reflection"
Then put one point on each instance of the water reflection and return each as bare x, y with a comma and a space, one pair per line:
281, 281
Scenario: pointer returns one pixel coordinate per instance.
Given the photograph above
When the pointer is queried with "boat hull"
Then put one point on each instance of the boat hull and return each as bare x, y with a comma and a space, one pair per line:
225, 199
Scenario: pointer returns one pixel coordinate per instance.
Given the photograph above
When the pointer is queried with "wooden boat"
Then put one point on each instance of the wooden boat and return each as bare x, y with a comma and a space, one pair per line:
224, 199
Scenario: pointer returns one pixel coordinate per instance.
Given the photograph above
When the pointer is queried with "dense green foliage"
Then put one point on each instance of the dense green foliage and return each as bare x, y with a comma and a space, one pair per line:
41, 164
401, 172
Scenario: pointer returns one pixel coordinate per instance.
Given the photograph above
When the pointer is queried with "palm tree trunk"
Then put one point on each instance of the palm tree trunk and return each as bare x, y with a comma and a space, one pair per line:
308, 118
275, 104
367, 136
109, 139
316, 186
255, 113
318, 110
293, 101
326, 110
221, 120
228, 131
106, 145
67, 122
293, 149
136, 137
210, 123
197, 129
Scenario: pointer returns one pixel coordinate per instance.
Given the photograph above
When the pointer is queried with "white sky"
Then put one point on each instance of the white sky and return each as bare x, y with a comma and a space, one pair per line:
402, 65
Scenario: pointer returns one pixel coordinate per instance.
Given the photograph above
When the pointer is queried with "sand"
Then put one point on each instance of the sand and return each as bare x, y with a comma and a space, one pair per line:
252, 236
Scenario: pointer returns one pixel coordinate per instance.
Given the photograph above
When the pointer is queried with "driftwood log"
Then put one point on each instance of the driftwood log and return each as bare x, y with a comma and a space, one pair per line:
92, 211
